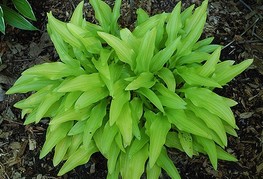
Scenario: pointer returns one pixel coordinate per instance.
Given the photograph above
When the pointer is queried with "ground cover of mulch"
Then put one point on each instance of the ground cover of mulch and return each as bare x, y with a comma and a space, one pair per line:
235, 24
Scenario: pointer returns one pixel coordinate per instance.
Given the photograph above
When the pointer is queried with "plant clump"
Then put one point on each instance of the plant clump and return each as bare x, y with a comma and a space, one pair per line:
131, 95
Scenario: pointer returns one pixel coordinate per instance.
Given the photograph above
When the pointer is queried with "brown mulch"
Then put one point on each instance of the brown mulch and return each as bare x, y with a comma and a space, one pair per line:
235, 24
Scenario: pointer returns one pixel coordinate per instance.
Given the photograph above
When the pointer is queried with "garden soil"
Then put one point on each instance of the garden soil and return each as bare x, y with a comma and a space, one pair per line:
236, 24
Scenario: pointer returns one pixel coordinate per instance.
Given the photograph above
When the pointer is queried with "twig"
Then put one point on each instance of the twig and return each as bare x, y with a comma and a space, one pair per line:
242, 33
245, 4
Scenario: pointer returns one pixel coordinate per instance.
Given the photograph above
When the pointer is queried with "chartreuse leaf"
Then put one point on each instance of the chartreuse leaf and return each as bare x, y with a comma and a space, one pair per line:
92, 44
24, 8
194, 32
80, 157
107, 137
54, 136
43, 107
133, 167
142, 16
208, 48
119, 142
227, 73
168, 77
210, 148
172, 141
211, 120
170, 98
117, 104
32, 84
34, 99
166, 163
103, 13
14, 19
62, 49
153, 172
124, 123
144, 57
152, 97
115, 16
71, 98
115, 174
136, 106
187, 13
174, 24
229, 129
197, 16
203, 42
157, 134
193, 57
91, 96
164, 55
102, 66
137, 145
186, 142
180, 120
144, 80
144, 27
61, 28
131, 41
94, 122
112, 157
77, 15
76, 141
209, 67
214, 103
201, 124
124, 53
70, 115
191, 76
61, 150
53, 71
82, 83
77, 128
223, 155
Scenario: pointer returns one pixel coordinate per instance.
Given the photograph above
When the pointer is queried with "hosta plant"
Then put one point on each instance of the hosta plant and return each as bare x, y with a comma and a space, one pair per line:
16, 19
131, 95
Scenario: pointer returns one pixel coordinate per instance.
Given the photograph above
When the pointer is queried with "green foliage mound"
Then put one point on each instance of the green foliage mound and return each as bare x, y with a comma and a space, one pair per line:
131, 95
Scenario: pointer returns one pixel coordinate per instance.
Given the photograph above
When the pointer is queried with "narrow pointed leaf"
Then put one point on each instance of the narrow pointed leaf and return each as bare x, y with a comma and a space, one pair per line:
61, 150
80, 157
124, 123
77, 15
147, 47
152, 97
94, 122
116, 106
16, 20
210, 148
24, 8
158, 131
82, 83
90, 97
180, 120
223, 155
186, 142
214, 103
167, 76
54, 137
125, 54
166, 163
144, 80
174, 24
53, 71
